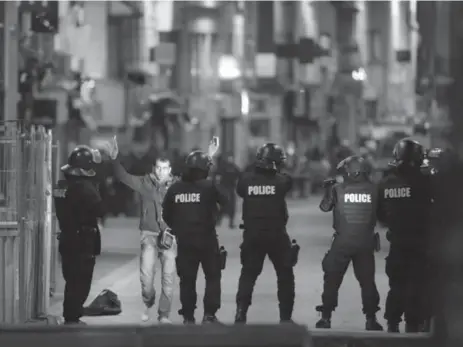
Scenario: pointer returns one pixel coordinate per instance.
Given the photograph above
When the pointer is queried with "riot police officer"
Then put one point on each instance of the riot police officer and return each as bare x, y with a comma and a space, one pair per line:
265, 216
406, 200
190, 209
445, 172
78, 207
355, 203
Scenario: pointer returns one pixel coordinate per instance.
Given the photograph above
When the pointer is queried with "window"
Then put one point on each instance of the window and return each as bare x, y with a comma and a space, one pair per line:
374, 46
325, 42
123, 45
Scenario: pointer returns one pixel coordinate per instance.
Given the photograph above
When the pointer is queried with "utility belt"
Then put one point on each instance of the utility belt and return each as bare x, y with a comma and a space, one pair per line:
84, 240
294, 247
376, 240
258, 226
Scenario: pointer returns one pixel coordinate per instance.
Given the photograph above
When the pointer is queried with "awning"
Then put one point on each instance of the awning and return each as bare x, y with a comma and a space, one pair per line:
124, 9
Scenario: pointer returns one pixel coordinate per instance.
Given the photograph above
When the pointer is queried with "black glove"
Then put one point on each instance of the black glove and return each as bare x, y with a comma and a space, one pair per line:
295, 248
388, 235
329, 182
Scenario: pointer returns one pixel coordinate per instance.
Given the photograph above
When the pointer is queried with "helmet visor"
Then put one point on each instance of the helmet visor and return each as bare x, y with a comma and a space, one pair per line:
96, 156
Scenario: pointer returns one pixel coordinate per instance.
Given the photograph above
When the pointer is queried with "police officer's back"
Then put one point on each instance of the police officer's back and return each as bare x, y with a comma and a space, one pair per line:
264, 189
78, 206
406, 196
190, 209
406, 209
196, 199
354, 203
265, 216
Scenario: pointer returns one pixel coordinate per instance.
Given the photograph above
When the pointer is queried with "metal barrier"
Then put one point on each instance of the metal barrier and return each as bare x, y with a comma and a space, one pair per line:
25, 215
55, 260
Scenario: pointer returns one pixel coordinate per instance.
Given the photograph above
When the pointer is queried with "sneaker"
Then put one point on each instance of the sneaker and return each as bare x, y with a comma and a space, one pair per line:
146, 315
164, 320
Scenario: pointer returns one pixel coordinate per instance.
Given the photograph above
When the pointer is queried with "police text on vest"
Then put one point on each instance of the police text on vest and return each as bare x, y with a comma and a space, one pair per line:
404, 192
187, 197
261, 190
355, 197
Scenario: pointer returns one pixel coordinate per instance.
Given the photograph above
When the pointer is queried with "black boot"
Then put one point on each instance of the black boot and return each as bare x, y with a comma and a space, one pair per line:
188, 317
412, 328
372, 324
77, 322
393, 327
285, 314
426, 326
210, 319
325, 321
241, 315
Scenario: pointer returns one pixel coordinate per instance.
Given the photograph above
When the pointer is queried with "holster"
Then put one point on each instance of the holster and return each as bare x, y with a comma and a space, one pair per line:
83, 241
295, 248
223, 257
166, 239
377, 242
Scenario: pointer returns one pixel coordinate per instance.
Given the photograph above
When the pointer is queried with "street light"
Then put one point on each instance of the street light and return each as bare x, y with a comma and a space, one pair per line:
245, 103
229, 68
359, 74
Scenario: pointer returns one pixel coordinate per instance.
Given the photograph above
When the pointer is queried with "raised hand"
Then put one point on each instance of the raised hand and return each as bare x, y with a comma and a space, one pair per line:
114, 148
213, 146
111, 148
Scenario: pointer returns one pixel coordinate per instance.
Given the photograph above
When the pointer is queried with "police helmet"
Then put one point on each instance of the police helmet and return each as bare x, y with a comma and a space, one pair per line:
81, 162
408, 152
270, 157
353, 166
198, 160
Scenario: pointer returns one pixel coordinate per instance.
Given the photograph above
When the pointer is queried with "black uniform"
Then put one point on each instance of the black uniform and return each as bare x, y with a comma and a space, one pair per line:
265, 216
407, 203
78, 206
354, 204
190, 209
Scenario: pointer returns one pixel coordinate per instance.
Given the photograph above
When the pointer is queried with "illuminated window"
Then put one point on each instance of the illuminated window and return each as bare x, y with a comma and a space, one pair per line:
325, 42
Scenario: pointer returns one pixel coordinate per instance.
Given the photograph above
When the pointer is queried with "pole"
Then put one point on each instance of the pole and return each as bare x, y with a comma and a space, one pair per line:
10, 68
346, 100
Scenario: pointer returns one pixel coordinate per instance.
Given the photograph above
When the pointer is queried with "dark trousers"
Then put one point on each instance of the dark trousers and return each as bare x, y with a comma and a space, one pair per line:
189, 258
77, 273
406, 267
255, 247
335, 264
230, 209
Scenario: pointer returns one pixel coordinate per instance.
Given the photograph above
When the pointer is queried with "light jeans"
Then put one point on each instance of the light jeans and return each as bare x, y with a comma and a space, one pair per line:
149, 256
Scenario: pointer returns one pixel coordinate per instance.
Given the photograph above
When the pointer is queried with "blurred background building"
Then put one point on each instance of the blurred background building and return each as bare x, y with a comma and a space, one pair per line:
167, 75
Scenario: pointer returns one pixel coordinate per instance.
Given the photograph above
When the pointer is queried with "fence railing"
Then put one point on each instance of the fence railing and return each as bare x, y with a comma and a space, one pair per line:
25, 222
